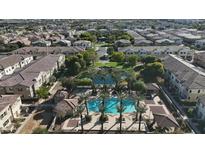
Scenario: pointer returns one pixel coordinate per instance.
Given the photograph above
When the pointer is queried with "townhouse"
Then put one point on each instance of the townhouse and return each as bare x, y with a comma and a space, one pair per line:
200, 108
185, 79
10, 108
10, 63
42, 51
199, 58
27, 81
82, 44
184, 52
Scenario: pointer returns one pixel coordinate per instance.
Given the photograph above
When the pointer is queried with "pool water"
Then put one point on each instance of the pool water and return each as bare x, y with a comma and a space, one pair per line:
107, 79
111, 105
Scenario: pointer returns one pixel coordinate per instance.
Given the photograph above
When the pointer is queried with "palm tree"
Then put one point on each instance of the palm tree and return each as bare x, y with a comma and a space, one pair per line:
121, 108
80, 110
142, 109
137, 110
102, 117
102, 110
84, 98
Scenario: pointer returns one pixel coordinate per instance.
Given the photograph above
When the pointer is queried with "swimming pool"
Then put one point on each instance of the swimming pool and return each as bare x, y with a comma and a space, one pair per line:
111, 105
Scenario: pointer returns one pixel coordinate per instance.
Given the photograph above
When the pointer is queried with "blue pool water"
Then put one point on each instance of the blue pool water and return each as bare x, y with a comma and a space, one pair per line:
107, 79
111, 105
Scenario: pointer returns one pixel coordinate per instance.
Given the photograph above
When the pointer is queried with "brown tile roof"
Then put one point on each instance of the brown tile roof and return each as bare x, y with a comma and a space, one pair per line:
27, 50
6, 100
11, 60
158, 109
162, 116
165, 120
26, 77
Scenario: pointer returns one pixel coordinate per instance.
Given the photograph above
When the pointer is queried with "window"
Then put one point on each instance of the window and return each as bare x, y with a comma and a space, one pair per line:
198, 91
2, 116
20, 89
6, 122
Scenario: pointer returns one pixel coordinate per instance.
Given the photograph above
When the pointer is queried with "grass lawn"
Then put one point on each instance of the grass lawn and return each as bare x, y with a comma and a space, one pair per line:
109, 64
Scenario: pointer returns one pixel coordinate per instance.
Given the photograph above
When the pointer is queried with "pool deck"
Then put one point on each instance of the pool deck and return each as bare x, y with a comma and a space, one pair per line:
128, 125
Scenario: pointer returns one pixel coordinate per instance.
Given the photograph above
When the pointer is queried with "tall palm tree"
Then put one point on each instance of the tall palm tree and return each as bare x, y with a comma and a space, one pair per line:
142, 109
84, 98
102, 117
137, 110
80, 110
121, 108
102, 109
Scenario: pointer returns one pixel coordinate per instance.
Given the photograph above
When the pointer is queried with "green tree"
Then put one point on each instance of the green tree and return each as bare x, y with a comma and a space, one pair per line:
73, 65
69, 84
90, 57
118, 57
148, 59
110, 50
132, 60
139, 86
43, 92
152, 71
88, 36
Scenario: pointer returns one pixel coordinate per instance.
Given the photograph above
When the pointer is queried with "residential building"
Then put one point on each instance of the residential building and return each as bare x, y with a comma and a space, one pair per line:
200, 44
184, 79
42, 51
199, 58
10, 63
42, 43
82, 44
62, 43
10, 108
27, 81
164, 42
200, 107
122, 43
143, 43
161, 51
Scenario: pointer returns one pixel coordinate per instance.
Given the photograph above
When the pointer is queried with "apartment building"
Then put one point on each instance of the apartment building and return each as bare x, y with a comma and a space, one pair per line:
184, 78
10, 108
10, 63
27, 81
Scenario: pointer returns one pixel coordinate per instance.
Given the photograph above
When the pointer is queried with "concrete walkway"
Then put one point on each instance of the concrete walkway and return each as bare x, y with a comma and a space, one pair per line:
52, 91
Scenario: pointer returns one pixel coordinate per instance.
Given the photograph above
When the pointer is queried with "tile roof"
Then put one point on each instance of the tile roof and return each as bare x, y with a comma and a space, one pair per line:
26, 77
162, 116
27, 50
188, 75
6, 100
11, 60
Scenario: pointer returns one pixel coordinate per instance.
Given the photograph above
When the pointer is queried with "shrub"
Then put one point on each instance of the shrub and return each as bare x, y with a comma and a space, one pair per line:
40, 130
83, 82
43, 92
